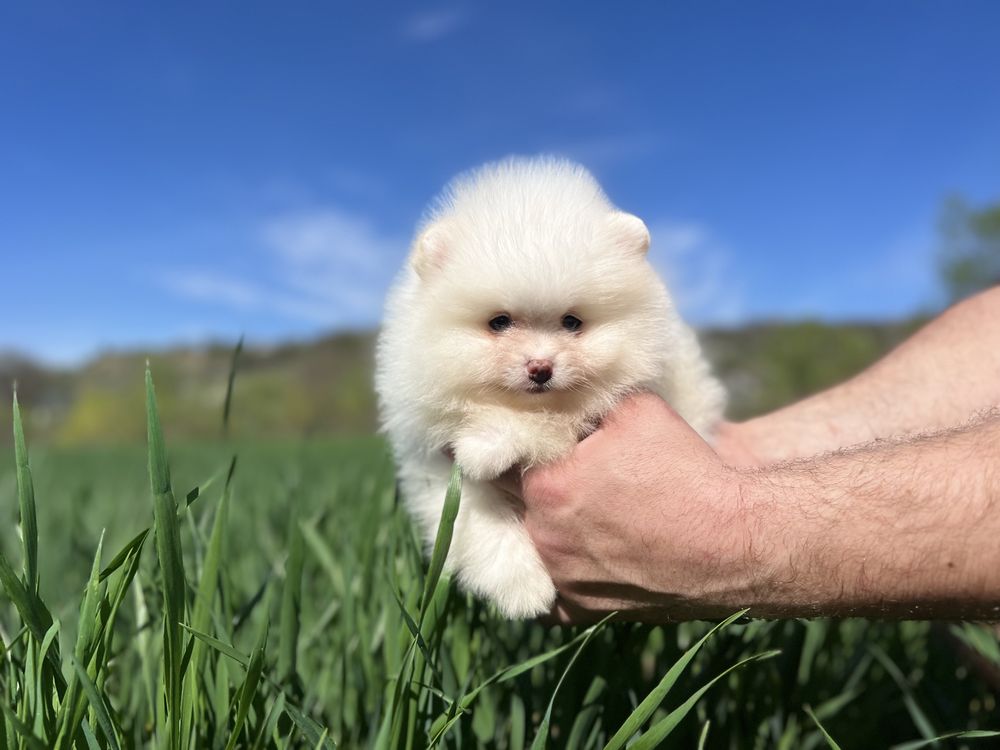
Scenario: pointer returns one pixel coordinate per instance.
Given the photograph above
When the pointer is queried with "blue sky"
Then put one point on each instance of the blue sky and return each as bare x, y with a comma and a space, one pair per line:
177, 172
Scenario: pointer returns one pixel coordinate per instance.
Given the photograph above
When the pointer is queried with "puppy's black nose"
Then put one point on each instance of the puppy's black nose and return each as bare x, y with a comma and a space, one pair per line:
540, 371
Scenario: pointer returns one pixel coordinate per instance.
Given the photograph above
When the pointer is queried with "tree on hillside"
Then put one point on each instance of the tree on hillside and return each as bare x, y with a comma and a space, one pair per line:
970, 247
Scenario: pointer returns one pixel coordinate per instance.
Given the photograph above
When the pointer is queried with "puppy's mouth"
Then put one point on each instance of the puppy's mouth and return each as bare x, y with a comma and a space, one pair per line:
538, 388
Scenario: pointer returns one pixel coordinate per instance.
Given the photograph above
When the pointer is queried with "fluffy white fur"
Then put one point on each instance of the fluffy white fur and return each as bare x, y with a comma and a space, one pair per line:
535, 239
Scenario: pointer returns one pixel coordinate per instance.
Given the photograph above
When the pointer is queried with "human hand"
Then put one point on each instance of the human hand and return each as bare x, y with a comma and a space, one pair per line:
642, 517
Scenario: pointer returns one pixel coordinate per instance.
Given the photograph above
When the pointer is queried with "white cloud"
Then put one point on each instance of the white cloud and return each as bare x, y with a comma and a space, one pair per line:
319, 241
326, 266
699, 272
208, 287
432, 25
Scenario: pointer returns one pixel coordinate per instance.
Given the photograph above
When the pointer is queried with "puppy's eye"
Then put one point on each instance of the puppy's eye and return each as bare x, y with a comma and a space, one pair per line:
571, 323
501, 322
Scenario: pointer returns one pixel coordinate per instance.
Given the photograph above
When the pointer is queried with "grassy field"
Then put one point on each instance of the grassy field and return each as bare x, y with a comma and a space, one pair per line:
282, 601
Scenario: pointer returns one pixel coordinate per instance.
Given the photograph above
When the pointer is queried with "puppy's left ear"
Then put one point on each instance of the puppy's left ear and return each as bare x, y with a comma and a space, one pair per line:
430, 249
628, 232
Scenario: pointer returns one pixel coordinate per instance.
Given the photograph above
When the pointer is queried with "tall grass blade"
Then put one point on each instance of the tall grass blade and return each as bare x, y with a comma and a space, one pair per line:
816, 631
24, 592
248, 690
134, 547
73, 707
518, 723
411, 625
587, 716
201, 617
21, 729
168, 551
443, 540
831, 743
703, 737
972, 734
45, 723
656, 696
220, 646
661, 729
980, 638
26, 502
542, 735
89, 738
446, 721
230, 380
291, 602
920, 719
401, 705
98, 705
312, 731
831, 707
33, 613
270, 723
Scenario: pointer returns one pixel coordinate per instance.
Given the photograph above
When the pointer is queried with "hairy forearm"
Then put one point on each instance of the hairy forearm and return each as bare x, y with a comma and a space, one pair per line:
939, 377
904, 528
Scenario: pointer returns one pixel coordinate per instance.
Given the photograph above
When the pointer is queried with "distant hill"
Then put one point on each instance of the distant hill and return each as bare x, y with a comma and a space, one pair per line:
768, 365
324, 386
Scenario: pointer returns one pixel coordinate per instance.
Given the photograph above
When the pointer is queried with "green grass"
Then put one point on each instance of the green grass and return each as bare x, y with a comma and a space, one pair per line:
280, 599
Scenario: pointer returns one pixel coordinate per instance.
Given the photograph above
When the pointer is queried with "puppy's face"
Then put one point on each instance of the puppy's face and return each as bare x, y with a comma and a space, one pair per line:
535, 353
538, 319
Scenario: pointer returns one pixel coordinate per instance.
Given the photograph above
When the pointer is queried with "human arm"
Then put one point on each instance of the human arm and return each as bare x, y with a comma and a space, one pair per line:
939, 377
644, 517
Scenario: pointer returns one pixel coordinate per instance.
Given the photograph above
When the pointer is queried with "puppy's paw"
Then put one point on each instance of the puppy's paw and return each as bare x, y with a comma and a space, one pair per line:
514, 580
524, 597
484, 456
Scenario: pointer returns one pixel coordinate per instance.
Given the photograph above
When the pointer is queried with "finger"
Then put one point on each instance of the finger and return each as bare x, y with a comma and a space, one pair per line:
558, 615
641, 419
638, 406
565, 612
626, 422
552, 618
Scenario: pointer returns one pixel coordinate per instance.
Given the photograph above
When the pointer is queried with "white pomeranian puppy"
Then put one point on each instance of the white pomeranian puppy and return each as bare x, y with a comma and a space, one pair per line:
527, 310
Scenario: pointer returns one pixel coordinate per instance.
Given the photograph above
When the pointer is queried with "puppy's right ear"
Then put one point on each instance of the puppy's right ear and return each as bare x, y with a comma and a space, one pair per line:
430, 249
628, 232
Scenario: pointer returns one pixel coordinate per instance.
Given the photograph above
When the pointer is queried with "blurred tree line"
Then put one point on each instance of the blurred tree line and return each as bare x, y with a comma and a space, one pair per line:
325, 386
970, 247
292, 390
